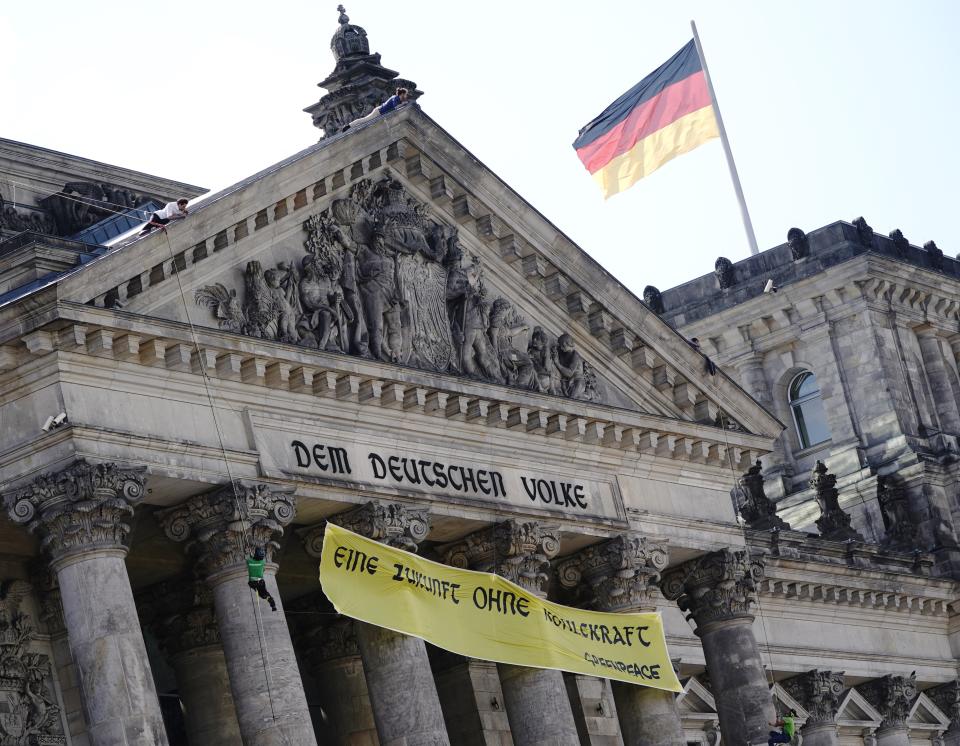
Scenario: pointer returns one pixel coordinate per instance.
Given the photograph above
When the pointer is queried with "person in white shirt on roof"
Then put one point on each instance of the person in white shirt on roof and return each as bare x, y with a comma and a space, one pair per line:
171, 211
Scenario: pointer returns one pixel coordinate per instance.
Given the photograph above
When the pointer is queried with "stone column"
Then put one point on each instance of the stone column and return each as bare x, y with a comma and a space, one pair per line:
180, 613
472, 699
940, 388
406, 707
329, 652
716, 590
221, 528
81, 515
892, 697
947, 698
819, 692
535, 698
621, 576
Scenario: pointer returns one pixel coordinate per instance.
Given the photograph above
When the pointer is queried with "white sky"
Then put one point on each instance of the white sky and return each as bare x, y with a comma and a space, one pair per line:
834, 108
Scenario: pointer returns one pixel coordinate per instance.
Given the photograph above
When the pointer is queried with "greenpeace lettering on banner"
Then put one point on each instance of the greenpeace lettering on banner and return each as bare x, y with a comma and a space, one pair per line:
484, 616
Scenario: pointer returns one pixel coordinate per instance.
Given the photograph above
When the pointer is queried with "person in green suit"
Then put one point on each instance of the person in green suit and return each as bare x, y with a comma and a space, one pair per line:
788, 725
255, 579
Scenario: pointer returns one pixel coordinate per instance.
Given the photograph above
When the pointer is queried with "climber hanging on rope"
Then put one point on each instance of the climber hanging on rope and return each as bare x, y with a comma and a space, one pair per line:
787, 726
255, 579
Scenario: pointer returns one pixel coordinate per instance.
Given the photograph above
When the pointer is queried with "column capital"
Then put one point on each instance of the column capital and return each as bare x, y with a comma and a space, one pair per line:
834, 523
819, 692
619, 575
716, 587
221, 527
947, 698
394, 524
518, 551
180, 613
321, 633
892, 696
84, 507
755, 506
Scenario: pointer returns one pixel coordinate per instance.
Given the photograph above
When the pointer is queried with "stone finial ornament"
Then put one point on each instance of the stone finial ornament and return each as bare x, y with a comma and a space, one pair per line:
900, 528
864, 232
799, 243
725, 273
900, 242
619, 575
834, 524
518, 551
934, 254
892, 696
653, 299
755, 507
819, 692
716, 587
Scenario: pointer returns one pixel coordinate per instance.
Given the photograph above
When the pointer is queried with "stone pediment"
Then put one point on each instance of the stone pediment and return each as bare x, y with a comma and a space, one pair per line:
379, 246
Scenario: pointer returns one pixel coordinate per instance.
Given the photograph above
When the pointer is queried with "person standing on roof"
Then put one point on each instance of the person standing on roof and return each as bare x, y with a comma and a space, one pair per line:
255, 579
171, 211
400, 97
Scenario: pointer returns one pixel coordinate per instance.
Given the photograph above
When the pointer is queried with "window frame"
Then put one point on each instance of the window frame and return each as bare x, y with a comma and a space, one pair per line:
794, 404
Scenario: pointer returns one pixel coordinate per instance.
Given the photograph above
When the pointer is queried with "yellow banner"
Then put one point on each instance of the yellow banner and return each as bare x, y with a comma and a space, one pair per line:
484, 616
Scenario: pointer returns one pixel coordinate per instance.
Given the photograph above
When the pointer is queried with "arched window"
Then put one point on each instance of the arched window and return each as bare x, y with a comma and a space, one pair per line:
807, 409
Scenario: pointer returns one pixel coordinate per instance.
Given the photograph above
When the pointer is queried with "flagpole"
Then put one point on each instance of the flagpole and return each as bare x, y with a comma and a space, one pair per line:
747, 225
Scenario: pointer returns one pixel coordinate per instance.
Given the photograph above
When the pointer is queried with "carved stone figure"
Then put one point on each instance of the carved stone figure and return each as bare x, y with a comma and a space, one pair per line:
542, 350
900, 243
799, 243
81, 204
505, 324
755, 507
723, 269
900, 528
381, 279
469, 319
28, 712
864, 232
378, 290
653, 299
935, 254
833, 523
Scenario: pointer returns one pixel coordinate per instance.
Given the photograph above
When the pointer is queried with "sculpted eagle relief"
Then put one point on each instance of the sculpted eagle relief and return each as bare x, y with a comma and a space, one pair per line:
382, 280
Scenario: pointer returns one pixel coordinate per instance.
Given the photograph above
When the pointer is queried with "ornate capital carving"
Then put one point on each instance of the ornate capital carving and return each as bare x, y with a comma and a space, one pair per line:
394, 524
833, 523
947, 698
81, 508
618, 575
755, 506
716, 587
27, 700
223, 526
819, 692
892, 696
519, 552
180, 613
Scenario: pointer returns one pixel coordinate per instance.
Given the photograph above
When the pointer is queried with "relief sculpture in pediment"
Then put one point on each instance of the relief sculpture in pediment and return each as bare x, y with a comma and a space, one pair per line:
382, 279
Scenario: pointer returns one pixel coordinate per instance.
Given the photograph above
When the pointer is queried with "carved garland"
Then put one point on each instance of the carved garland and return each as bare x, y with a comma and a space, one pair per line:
380, 279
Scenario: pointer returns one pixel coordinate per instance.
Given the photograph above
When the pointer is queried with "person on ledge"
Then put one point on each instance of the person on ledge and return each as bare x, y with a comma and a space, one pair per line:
171, 211
400, 97
787, 724
255, 576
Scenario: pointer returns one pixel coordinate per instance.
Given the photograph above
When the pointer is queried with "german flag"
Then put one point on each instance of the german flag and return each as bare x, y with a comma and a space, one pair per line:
664, 115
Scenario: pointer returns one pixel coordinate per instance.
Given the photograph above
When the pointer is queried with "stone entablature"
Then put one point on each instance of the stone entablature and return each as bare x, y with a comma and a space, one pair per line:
169, 346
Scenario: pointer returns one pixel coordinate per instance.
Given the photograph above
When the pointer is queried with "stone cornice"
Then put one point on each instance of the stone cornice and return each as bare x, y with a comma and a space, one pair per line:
167, 345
